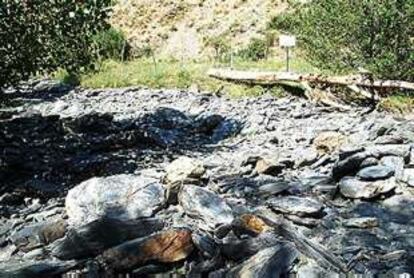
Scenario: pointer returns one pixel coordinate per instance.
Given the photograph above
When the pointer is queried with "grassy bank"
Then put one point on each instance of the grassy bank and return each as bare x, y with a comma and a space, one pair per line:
174, 74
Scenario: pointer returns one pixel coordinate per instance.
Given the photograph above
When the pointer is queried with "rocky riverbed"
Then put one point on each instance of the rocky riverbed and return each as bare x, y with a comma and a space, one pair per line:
136, 181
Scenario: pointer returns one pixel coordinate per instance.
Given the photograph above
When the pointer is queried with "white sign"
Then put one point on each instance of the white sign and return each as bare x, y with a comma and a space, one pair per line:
287, 41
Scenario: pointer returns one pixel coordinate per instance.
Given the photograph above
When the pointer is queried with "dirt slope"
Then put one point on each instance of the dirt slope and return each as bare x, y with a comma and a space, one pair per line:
181, 28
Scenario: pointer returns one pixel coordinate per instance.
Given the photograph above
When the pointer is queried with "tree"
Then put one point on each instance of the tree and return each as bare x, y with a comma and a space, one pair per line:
341, 35
40, 36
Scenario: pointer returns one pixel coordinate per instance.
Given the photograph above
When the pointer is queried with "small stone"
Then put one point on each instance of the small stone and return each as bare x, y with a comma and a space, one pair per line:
362, 222
389, 139
408, 176
184, 169
270, 262
297, 206
327, 142
369, 161
375, 173
266, 167
354, 188
396, 163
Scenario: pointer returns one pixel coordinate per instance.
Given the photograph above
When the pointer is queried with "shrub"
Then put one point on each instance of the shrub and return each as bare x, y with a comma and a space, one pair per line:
111, 44
40, 36
256, 50
221, 47
341, 35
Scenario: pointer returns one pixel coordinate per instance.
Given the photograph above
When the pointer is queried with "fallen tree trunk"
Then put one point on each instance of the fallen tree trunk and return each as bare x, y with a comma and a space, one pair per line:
273, 78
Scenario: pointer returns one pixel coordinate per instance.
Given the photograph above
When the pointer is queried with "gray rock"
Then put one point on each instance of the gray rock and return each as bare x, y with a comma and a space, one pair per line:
297, 206
354, 188
38, 269
352, 163
203, 204
408, 176
123, 197
362, 222
184, 169
370, 161
93, 238
271, 262
375, 173
396, 163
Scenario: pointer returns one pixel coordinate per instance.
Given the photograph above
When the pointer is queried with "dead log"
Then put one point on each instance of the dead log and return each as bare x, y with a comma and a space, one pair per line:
274, 78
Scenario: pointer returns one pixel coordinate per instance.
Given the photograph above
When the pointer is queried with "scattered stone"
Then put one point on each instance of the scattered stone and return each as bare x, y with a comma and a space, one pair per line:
305, 157
184, 169
297, 206
271, 262
52, 232
396, 163
373, 173
93, 238
29, 269
362, 222
389, 139
354, 188
164, 247
266, 167
370, 161
328, 142
203, 204
408, 176
123, 197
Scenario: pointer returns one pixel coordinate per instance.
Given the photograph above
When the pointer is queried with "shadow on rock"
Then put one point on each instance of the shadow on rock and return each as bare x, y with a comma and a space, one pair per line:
46, 155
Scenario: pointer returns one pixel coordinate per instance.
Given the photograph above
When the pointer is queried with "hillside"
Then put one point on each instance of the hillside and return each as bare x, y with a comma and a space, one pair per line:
182, 28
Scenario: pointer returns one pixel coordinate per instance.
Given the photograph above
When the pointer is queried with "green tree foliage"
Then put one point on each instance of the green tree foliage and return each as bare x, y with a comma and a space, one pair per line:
342, 35
38, 36
111, 44
256, 50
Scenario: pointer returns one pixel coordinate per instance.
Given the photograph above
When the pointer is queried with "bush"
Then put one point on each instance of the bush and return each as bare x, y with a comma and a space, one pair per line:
221, 47
111, 44
40, 36
256, 50
342, 35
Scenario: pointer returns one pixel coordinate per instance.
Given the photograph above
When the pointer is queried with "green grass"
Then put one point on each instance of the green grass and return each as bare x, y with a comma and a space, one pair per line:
399, 103
173, 74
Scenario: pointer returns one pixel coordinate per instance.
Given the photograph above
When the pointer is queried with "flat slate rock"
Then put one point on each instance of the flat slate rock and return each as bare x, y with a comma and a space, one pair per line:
204, 204
299, 206
361, 222
270, 262
354, 188
373, 173
122, 197
93, 238
167, 246
34, 269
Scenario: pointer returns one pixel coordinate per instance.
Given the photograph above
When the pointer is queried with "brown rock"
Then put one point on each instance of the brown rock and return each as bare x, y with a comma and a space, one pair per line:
53, 232
164, 247
269, 168
328, 142
253, 223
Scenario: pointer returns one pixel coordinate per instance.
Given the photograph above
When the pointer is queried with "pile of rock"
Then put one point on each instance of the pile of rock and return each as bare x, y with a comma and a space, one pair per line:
204, 186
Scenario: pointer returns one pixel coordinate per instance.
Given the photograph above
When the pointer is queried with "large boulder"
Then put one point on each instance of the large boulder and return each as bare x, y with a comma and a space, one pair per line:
122, 197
